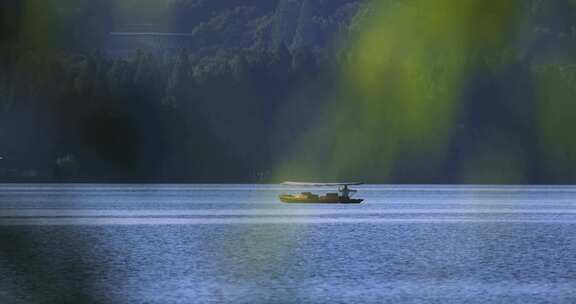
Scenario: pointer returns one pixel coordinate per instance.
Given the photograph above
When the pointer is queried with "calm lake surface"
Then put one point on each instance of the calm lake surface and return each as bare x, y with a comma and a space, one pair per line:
239, 244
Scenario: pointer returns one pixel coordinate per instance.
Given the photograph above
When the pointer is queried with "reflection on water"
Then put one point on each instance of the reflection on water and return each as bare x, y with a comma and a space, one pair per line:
238, 244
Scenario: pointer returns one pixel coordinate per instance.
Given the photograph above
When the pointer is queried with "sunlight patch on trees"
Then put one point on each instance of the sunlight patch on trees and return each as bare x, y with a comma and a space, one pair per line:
402, 80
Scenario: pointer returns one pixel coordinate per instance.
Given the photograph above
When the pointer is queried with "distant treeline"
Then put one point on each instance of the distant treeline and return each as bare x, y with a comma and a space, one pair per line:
234, 113
229, 117
84, 25
182, 118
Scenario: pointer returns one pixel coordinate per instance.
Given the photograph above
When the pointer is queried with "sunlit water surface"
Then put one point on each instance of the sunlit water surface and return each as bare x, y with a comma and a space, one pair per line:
238, 244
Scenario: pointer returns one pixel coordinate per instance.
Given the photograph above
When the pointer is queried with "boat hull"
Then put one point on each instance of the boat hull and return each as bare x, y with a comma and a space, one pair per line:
297, 200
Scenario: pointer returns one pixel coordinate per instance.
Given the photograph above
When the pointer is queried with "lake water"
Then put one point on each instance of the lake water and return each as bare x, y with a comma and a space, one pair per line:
239, 244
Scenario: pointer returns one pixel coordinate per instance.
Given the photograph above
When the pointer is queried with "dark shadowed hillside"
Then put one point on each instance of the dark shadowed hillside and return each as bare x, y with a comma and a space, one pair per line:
215, 90
254, 24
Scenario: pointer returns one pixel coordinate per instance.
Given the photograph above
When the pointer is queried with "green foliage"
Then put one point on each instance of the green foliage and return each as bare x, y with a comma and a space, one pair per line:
408, 95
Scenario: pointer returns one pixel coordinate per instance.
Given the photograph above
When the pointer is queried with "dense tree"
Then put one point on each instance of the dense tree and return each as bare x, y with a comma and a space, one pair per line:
262, 77
304, 36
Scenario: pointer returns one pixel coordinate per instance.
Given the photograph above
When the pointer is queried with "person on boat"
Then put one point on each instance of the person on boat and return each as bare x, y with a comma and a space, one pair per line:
344, 192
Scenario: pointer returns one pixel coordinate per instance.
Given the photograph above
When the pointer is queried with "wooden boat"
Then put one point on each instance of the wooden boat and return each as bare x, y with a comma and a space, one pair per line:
342, 197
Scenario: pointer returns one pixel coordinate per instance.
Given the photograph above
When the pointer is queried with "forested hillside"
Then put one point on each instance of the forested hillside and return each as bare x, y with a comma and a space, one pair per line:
263, 74
253, 24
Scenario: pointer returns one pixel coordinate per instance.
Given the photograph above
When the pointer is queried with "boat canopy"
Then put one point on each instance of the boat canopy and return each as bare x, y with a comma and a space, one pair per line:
322, 184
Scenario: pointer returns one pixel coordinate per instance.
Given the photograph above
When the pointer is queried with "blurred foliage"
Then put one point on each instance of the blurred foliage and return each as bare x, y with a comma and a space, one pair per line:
50, 25
143, 118
384, 91
556, 91
402, 86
